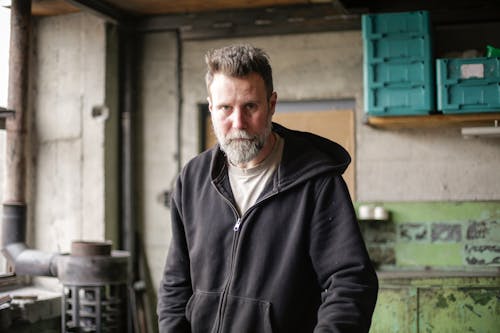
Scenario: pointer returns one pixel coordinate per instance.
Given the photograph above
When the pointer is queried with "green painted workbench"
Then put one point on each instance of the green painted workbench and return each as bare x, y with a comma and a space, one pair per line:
438, 302
438, 266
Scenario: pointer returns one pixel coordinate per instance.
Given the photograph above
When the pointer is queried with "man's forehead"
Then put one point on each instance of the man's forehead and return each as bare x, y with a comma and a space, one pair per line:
227, 85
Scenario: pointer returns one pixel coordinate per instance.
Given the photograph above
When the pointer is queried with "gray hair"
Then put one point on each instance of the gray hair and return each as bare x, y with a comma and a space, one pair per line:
239, 61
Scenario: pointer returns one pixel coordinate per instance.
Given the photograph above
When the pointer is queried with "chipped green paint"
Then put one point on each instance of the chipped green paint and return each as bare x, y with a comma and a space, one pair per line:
442, 236
408, 212
438, 234
464, 313
441, 302
425, 254
396, 311
438, 305
479, 296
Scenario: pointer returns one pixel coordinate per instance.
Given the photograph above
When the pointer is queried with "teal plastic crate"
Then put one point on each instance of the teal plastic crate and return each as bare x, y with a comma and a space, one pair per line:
396, 72
468, 85
398, 67
401, 47
398, 101
386, 24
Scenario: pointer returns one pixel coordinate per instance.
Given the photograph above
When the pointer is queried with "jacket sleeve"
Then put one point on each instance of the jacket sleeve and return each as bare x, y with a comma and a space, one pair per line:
175, 286
344, 270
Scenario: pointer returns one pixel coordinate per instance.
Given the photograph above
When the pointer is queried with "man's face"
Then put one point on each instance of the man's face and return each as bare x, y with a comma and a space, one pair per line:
241, 116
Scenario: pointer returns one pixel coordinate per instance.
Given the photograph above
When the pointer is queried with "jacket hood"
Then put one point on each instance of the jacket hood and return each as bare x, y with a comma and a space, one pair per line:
305, 155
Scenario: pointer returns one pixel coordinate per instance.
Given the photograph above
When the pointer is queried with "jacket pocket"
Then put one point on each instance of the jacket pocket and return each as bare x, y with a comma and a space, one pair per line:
201, 311
246, 315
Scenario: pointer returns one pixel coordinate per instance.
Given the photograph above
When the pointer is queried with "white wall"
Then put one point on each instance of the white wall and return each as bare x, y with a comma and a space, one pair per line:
4, 82
158, 146
426, 165
305, 67
403, 165
67, 198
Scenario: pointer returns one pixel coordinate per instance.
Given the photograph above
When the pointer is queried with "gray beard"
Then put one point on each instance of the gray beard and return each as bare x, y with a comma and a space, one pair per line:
242, 151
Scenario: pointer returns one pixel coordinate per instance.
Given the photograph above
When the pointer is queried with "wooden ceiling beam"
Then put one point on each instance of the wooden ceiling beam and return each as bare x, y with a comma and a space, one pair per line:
104, 10
442, 11
253, 22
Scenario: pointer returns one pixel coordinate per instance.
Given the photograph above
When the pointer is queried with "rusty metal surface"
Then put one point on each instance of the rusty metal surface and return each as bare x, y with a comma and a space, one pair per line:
396, 311
94, 309
13, 224
467, 309
88, 248
438, 305
17, 100
93, 270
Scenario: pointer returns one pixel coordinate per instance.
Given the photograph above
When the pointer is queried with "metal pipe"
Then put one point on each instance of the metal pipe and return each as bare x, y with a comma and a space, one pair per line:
14, 224
180, 100
128, 239
128, 58
14, 209
24, 260
31, 262
20, 26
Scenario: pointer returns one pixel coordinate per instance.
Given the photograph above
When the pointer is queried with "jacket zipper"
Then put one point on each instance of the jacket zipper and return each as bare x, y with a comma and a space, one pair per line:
222, 307
223, 303
236, 227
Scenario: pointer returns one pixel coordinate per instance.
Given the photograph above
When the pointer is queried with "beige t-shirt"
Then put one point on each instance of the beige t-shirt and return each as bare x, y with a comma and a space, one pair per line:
248, 184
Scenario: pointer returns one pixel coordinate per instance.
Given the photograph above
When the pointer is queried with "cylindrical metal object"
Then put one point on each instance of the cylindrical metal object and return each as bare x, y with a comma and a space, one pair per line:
95, 288
24, 260
86, 248
17, 101
33, 262
93, 270
13, 224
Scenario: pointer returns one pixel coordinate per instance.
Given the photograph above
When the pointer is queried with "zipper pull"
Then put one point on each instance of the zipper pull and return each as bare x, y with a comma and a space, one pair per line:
237, 225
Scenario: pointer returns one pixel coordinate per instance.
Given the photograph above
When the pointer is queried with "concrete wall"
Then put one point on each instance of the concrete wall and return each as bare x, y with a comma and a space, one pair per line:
70, 193
70, 133
158, 144
73, 155
403, 165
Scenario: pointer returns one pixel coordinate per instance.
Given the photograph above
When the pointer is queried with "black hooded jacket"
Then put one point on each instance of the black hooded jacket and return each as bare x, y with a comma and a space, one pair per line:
294, 262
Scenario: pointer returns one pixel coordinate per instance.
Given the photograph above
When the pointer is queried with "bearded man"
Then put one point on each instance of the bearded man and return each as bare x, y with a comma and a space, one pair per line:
264, 234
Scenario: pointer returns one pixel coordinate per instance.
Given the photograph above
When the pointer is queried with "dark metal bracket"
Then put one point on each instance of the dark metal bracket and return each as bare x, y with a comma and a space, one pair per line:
5, 113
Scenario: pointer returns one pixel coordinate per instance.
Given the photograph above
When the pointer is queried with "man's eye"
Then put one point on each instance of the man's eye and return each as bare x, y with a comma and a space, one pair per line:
251, 106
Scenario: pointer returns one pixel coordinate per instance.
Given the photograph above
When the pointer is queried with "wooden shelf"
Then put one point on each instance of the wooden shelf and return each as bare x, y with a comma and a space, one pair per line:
434, 120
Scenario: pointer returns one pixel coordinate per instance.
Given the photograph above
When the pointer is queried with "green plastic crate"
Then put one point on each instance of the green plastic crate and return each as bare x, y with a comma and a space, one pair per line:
398, 72
468, 85
398, 101
385, 24
391, 48
398, 67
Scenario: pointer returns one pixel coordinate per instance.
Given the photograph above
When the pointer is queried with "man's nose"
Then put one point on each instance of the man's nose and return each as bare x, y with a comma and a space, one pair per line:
239, 118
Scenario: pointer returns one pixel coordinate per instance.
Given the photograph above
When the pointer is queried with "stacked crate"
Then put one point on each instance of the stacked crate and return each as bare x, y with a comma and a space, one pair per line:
398, 66
468, 85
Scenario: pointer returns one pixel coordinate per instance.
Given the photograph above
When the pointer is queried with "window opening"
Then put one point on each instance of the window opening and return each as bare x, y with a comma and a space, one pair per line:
4, 81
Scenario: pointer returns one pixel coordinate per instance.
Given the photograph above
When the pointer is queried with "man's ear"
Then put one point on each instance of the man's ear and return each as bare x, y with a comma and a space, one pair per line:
272, 102
209, 100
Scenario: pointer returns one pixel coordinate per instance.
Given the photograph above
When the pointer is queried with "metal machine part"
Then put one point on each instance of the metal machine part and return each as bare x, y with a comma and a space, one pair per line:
95, 288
